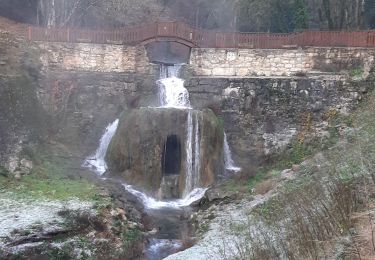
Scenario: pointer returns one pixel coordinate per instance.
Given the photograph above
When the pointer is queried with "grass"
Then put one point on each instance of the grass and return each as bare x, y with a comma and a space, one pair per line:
4, 172
259, 177
48, 181
129, 237
308, 215
356, 73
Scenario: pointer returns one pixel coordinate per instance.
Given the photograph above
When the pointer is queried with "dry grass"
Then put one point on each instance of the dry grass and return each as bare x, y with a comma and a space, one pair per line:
264, 186
311, 214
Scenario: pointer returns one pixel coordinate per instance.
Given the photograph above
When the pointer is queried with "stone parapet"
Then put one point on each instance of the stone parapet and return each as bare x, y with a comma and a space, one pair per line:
278, 62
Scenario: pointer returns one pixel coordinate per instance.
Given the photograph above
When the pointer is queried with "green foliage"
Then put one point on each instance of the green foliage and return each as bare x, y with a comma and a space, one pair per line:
300, 15
318, 205
282, 14
63, 253
204, 227
259, 176
296, 154
47, 181
370, 13
4, 172
299, 152
265, 15
356, 73
270, 210
130, 237
220, 121
230, 185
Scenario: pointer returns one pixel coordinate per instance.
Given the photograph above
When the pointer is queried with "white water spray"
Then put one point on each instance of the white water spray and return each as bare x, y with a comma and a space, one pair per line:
197, 155
189, 155
172, 92
228, 160
97, 161
151, 203
193, 166
167, 71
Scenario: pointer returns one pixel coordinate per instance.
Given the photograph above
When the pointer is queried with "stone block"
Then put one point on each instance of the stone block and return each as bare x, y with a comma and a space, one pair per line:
223, 72
242, 72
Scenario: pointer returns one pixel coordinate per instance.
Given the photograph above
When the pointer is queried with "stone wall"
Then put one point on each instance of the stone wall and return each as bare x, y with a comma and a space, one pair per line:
262, 116
84, 87
94, 57
22, 120
276, 62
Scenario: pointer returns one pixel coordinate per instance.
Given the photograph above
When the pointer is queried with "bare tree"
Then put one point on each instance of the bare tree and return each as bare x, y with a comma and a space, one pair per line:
338, 14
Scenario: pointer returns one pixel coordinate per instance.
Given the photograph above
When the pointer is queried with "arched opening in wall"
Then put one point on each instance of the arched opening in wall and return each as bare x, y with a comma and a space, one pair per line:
171, 159
167, 52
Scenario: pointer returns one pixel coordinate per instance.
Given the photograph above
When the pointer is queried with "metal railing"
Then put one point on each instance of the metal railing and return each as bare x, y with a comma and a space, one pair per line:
194, 37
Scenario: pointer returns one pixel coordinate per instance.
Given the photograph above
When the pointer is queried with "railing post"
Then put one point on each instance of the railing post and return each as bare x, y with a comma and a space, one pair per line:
68, 34
367, 39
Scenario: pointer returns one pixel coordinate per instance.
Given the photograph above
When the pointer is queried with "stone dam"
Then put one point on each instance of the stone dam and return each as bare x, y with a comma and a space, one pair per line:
265, 99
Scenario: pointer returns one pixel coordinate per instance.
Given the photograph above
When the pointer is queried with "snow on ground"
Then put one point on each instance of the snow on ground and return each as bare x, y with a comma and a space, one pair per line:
219, 233
24, 213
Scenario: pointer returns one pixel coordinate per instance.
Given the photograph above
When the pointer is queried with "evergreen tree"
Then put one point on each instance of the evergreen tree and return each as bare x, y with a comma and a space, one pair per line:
281, 16
301, 15
370, 13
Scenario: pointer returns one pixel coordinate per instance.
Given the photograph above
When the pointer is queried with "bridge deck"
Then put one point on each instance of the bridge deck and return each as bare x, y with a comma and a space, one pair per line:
194, 37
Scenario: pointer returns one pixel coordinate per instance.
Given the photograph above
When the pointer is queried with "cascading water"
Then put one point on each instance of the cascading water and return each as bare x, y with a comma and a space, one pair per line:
151, 203
172, 92
197, 155
97, 161
168, 71
192, 154
228, 160
189, 156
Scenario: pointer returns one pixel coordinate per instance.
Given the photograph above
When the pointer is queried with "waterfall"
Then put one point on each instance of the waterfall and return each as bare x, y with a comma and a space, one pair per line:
189, 155
167, 71
228, 160
193, 161
197, 153
172, 92
97, 161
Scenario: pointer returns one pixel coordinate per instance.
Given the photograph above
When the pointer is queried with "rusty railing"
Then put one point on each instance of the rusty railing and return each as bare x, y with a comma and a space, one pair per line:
194, 37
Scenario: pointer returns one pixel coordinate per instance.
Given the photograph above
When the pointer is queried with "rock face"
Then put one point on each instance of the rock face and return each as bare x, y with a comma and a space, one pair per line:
262, 116
84, 87
22, 119
154, 148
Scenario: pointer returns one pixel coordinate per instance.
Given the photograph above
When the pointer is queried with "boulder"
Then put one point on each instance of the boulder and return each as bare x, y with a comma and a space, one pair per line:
26, 166
17, 176
150, 149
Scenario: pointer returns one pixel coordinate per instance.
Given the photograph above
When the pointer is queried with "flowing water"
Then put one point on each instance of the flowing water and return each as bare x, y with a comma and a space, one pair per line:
172, 92
97, 161
197, 153
189, 156
170, 217
228, 160
193, 160
152, 203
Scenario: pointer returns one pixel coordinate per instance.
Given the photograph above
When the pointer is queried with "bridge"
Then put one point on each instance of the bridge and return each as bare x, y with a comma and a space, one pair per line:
200, 38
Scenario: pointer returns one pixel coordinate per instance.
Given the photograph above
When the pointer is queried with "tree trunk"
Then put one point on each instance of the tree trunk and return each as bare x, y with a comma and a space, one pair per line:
327, 11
